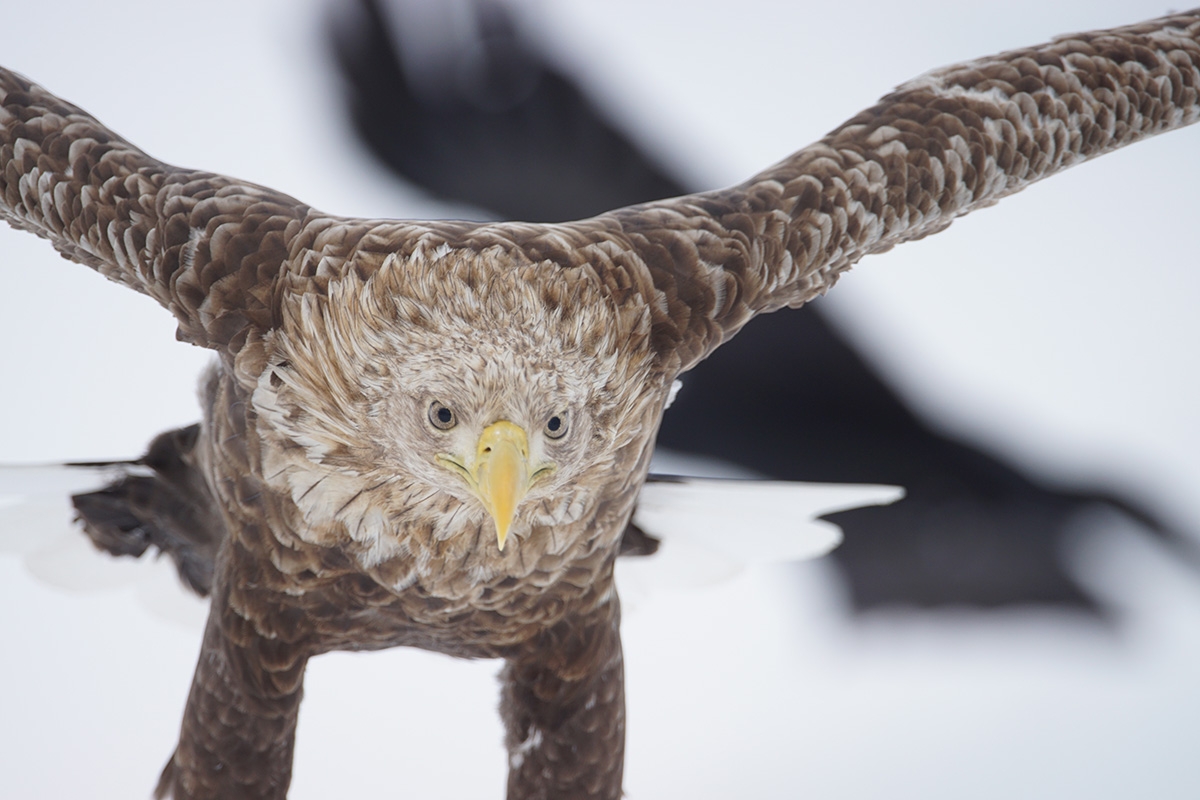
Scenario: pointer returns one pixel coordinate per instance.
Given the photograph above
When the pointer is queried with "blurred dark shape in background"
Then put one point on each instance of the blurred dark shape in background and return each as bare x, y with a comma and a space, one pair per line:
450, 96
475, 116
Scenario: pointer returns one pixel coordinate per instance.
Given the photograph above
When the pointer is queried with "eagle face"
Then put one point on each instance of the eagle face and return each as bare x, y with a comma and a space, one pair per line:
457, 414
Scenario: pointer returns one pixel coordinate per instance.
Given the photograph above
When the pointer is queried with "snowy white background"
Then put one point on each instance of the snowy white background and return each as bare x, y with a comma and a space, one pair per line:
1059, 328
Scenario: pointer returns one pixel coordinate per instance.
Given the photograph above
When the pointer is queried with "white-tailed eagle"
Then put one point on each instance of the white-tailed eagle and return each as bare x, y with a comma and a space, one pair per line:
434, 433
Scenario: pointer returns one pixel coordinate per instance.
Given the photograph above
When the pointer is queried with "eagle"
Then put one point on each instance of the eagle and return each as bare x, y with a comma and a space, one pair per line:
433, 434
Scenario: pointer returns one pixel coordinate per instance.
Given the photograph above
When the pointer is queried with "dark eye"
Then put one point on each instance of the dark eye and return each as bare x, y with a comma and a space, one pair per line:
441, 417
556, 426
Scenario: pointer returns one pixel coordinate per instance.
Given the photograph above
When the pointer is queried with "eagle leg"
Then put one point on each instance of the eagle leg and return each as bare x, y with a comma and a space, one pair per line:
239, 727
563, 704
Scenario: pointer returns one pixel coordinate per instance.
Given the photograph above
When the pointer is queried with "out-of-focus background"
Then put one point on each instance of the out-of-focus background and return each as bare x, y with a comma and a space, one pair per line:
1052, 333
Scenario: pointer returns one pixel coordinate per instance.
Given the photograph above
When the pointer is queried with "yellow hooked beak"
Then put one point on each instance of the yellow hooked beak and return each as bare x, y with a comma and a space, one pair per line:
501, 475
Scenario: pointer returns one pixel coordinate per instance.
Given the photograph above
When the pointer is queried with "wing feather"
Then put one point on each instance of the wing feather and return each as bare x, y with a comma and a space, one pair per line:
204, 246
949, 142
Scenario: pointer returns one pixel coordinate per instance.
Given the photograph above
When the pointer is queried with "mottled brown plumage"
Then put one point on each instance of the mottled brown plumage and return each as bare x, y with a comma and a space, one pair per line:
347, 524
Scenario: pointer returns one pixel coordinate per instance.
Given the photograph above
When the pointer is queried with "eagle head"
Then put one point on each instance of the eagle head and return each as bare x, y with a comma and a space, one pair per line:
454, 407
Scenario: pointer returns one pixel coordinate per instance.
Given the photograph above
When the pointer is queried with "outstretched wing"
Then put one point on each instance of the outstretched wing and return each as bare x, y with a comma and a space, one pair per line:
205, 246
960, 138
940, 146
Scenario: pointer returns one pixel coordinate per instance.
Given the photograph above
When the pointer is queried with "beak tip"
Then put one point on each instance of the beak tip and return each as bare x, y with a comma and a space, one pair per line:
503, 525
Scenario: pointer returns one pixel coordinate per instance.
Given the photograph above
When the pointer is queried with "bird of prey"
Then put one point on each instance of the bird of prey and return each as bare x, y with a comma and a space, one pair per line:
434, 434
